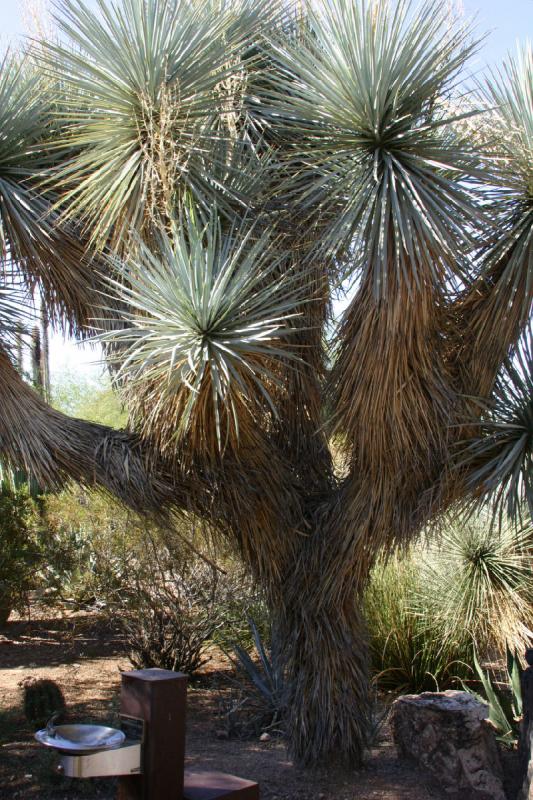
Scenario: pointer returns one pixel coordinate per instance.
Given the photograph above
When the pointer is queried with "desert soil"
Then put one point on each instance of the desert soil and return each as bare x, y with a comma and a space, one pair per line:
84, 655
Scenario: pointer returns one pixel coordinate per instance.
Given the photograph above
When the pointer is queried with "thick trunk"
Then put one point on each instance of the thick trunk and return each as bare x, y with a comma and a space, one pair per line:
327, 682
318, 611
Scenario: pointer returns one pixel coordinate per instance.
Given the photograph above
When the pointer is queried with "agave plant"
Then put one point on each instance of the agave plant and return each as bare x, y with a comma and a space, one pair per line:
215, 170
505, 703
266, 675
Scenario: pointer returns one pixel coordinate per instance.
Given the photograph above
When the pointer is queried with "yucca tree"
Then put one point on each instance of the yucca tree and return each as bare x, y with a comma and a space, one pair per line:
225, 167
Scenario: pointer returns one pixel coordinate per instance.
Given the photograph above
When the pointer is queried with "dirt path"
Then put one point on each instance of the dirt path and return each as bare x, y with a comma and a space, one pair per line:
84, 656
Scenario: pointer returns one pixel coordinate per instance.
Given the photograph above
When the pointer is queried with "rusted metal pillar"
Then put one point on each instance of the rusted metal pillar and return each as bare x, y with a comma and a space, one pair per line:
152, 706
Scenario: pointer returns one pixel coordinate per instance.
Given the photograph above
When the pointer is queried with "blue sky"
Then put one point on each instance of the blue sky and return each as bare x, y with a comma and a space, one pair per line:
505, 22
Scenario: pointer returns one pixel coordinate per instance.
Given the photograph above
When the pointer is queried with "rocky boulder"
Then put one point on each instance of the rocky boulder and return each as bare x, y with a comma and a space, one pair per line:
448, 734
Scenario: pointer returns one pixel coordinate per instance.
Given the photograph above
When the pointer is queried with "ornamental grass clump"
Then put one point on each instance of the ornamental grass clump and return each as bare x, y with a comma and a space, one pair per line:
408, 651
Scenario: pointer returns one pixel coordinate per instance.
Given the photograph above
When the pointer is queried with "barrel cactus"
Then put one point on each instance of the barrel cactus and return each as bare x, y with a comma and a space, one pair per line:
42, 699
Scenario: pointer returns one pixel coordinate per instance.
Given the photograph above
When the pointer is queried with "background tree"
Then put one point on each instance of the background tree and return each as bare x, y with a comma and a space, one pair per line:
216, 170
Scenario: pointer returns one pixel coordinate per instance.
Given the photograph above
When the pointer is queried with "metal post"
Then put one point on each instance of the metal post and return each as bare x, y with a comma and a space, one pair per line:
152, 705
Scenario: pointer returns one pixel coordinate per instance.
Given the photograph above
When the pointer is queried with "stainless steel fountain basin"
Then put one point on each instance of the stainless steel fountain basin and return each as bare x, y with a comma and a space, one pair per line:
80, 738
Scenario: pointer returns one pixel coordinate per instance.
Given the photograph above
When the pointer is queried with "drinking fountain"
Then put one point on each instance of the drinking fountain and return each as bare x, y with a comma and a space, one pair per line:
147, 751
89, 751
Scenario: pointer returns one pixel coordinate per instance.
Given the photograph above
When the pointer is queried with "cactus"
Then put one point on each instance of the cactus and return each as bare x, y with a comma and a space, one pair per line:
42, 699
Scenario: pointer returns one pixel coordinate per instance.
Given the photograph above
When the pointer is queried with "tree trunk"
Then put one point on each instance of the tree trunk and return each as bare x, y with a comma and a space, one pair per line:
327, 680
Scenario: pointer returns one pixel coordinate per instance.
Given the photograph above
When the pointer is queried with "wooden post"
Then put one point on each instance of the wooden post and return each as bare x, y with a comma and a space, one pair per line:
153, 701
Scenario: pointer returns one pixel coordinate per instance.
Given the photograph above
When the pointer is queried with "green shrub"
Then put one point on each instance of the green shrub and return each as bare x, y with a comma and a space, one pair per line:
20, 549
407, 651
171, 605
428, 609
168, 615
91, 541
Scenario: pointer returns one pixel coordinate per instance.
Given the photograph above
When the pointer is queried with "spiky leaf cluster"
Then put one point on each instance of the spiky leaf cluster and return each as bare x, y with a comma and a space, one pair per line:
47, 254
501, 455
480, 575
377, 163
142, 97
206, 331
508, 134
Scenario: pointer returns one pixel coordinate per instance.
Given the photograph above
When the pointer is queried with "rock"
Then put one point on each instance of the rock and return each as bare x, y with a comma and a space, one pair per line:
265, 737
448, 734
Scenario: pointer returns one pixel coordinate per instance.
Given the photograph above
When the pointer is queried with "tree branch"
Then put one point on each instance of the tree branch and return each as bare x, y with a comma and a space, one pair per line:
56, 448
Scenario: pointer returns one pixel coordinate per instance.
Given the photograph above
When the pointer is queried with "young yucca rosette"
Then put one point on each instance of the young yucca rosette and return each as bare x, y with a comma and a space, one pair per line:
206, 338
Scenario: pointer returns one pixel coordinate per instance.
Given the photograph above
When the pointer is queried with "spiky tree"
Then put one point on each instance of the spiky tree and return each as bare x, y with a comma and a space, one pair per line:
195, 180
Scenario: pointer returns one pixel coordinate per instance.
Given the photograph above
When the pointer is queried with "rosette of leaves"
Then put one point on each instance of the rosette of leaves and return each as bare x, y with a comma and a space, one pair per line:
508, 134
377, 161
478, 580
140, 102
47, 255
207, 330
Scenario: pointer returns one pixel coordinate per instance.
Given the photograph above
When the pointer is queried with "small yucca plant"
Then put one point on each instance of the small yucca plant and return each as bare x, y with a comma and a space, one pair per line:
478, 579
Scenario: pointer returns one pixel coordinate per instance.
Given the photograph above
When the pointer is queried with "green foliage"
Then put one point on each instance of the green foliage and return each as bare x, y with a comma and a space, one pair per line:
20, 549
88, 398
508, 99
170, 603
141, 104
407, 649
42, 699
207, 326
501, 456
505, 702
91, 541
376, 154
339, 128
259, 702
478, 576
266, 673
429, 608
168, 614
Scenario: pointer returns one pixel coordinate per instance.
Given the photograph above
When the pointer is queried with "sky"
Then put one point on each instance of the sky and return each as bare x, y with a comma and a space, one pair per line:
504, 21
